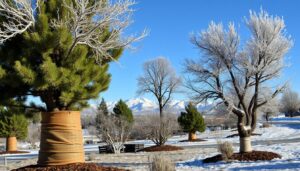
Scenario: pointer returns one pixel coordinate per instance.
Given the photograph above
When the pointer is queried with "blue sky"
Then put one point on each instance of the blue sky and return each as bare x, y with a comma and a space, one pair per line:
171, 23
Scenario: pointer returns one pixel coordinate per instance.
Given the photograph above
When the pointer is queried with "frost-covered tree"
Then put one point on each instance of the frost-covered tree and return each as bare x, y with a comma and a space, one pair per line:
160, 80
228, 71
290, 102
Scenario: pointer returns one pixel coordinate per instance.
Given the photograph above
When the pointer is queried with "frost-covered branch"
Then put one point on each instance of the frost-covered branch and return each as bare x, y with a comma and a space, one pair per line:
90, 21
18, 17
237, 75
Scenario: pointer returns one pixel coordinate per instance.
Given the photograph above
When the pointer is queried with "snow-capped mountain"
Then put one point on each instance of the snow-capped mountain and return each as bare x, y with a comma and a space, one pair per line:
146, 105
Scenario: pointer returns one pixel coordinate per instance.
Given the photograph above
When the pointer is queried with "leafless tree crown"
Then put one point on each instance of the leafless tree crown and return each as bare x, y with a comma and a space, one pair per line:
235, 75
159, 79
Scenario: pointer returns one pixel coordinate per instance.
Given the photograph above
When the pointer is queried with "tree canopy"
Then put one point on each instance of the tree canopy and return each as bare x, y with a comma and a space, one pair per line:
191, 120
12, 123
123, 111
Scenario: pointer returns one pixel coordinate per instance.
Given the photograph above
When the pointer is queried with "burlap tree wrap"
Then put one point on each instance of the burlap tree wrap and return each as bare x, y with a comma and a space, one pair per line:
61, 138
11, 144
192, 136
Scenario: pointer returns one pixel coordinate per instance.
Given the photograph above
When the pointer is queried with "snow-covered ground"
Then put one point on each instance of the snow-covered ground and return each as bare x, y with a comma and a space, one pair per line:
287, 130
290, 160
290, 152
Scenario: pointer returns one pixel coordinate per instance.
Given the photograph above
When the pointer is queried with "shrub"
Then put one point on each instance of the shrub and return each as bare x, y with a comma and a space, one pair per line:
92, 157
162, 163
226, 149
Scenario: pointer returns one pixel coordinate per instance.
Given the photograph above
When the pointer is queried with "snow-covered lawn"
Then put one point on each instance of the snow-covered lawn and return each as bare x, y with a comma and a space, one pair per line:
290, 160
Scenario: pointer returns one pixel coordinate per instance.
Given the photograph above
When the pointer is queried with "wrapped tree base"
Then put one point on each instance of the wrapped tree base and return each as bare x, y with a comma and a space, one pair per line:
192, 136
11, 144
61, 138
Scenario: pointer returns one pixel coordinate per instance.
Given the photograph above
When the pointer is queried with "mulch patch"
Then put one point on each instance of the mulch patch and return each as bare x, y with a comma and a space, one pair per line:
195, 140
161, 148
13, 152
73, 167
236, 135
252, 156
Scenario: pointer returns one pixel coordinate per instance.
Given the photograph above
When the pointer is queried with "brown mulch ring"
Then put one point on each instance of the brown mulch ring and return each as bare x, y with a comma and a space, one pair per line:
252, 156
13, 152
73, 167
236, 135
161, 148
195, 140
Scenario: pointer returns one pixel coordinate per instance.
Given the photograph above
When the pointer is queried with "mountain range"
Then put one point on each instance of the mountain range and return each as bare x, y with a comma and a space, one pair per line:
144, 105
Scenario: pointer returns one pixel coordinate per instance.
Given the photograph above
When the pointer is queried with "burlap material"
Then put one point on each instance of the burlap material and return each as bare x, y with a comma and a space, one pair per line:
61, 138
11, 144
192, 136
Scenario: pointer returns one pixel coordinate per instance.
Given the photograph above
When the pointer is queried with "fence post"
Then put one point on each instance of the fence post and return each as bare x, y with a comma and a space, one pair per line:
5, 162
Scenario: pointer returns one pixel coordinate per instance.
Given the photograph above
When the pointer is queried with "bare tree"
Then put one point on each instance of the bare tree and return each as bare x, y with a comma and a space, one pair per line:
86, 19
226, 71
34, 133
290, 102
114, 131
147, 127
160, 80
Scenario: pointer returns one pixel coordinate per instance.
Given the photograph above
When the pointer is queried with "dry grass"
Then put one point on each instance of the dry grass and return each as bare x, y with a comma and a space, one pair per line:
162, 163
226, 150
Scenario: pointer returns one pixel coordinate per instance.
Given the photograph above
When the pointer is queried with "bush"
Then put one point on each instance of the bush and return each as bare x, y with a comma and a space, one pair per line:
226, 149
162, 163
147, 127
92, 157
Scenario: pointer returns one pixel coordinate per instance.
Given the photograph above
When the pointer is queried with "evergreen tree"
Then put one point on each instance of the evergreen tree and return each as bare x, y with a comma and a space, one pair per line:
12, 124
42, 62
102, 111
103, 107
191, 121
122, 110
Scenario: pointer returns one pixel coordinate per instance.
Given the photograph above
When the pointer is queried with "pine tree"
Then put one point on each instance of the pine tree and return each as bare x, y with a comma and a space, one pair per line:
103, 107
122, 110
191, 121
101, 112
42, 62
12, 124
60, 53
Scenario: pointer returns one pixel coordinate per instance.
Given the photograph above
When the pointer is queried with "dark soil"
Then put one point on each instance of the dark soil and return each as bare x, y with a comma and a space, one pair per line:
236, 135
161, 148
13, 152
195, 140
73, 167
252, 156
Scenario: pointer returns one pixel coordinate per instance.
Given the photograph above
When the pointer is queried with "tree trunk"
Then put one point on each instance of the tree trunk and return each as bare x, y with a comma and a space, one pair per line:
192, 136
11, 144
161, 125
245, 136
61, 138
245, 144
